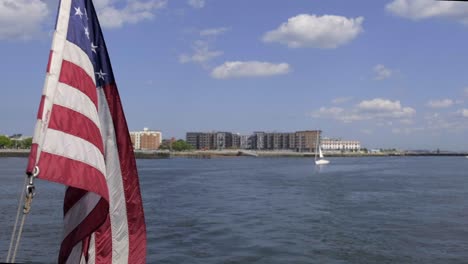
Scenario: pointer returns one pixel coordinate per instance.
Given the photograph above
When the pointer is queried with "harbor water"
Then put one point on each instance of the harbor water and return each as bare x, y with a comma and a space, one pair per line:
274, 210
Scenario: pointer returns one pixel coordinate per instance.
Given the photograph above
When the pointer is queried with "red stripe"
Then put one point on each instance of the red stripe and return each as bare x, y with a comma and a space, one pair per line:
85, 248
72, 196
32, 159
50, 60
135, 214
76, 124
103, 243
76, 77
72, 173
90, 224
41, 107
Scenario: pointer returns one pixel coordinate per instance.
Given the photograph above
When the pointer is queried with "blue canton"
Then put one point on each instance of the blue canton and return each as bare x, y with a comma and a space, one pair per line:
84, 31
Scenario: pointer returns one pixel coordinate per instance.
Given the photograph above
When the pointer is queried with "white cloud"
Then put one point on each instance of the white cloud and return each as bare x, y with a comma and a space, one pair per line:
444, 103
196, 3
407, 130
447, 121
340, 100
213, 31
337, 113
326, 31
464, 113
375, 109
382, 72
21, 19
406, 121
328, 112
422, 9
202, 50
379, 104
202, 54
133, 12
237, 69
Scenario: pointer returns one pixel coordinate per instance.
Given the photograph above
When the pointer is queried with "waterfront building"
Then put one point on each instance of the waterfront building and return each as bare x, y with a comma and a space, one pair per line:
301, 141
221, 140
306, 141
146, 139
274, 140
206, 140
338, 144
192, 138
258, 140
210, 140
245, 142
236, 141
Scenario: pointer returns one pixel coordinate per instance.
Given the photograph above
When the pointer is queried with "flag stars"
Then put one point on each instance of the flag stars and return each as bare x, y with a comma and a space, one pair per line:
78, 12
101, 74
86, 31
93, 47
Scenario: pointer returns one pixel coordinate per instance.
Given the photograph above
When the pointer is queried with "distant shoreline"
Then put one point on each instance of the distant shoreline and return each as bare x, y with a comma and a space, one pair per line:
6, 153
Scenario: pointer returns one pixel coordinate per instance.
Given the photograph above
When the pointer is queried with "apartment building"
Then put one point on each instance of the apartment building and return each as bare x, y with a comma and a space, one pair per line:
306, 141
146, 139
210, 140
300, 141
338, 144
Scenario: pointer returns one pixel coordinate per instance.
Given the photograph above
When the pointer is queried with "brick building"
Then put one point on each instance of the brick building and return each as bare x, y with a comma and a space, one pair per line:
146, 139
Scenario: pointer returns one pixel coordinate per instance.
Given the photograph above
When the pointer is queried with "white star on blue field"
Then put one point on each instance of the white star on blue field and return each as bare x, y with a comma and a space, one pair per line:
391, 73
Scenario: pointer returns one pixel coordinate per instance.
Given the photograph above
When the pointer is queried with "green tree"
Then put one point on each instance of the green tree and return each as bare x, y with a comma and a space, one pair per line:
5, 142
26, 143
181, 145
166, 144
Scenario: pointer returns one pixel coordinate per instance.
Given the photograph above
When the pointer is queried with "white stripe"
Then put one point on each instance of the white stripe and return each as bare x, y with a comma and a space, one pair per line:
77, 56
83, 260
72, 98
92, 250
37, 131
51, 81
75, 254
64, 15
117, 204
79, 212
73, 147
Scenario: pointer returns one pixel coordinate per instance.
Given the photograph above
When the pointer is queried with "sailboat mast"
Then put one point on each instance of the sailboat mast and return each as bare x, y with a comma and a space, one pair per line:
316, 146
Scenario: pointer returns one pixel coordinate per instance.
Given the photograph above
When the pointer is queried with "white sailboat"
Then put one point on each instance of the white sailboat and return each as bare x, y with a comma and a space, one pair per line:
320, 160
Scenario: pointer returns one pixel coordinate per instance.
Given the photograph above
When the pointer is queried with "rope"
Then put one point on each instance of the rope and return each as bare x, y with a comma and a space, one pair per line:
20, 201
19, 238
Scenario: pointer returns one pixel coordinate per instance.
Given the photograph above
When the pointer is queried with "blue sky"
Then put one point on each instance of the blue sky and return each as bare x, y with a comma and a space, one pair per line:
389, 73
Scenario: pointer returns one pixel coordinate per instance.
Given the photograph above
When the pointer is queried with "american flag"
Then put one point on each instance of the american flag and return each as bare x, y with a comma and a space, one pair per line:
81, 140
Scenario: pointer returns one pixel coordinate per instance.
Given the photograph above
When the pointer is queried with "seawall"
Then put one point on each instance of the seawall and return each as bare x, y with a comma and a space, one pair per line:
234, 153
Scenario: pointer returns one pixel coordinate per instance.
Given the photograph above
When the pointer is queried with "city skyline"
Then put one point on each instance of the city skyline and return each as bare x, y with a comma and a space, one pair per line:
387, 73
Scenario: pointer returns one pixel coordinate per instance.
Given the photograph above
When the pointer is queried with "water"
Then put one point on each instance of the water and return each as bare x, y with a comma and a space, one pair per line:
276, 210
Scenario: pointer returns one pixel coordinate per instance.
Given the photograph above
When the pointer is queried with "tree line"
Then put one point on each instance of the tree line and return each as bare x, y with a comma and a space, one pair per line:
15, 142
176, 145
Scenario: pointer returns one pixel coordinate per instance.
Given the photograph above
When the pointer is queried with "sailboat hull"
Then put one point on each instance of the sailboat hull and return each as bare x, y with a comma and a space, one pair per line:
321, 162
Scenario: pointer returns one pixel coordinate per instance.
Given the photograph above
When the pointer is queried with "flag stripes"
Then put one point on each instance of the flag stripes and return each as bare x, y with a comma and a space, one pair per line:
78, 174
72, 98
74, 123
79, 211
136, 223
76, 77
81, 140
90, 223
75, 55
